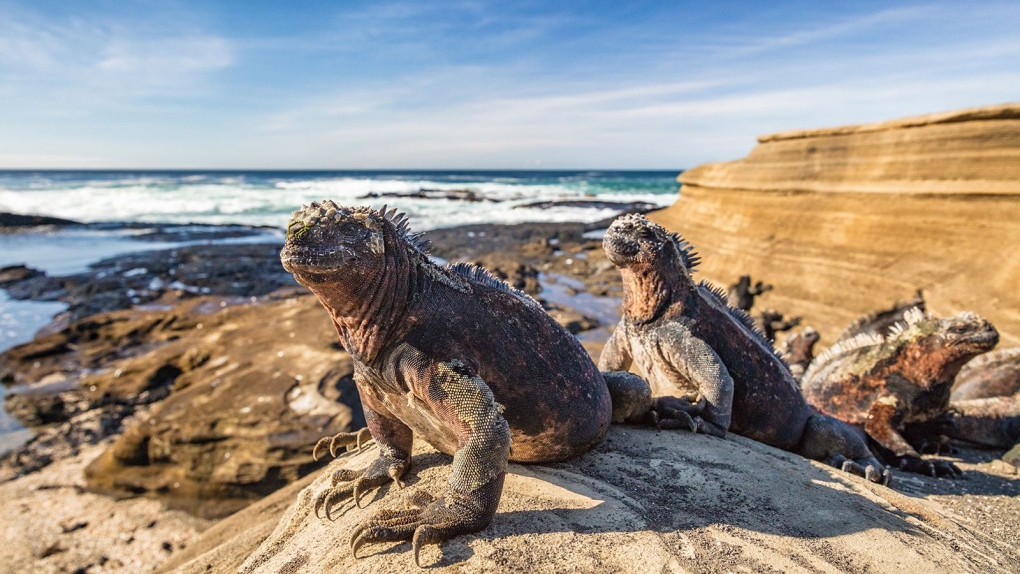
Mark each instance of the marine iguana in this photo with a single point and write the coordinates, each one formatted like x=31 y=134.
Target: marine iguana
x=683 y=337
x=994 y=374
x=769 y=322
x=799 y=350
x=883 y=384
x=741 y=294
x=451 y=355
x=984 y=406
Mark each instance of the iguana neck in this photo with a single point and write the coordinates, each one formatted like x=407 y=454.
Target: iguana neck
x=647 y=293
x=369 y=308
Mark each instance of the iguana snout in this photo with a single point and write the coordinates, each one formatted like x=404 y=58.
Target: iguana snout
x=631 y=239
x=325 y=237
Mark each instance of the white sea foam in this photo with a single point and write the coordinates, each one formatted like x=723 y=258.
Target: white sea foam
x=268 y=200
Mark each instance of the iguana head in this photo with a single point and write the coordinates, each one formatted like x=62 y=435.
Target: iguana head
x=962 y=335
x=326 y=241
x=634 y=242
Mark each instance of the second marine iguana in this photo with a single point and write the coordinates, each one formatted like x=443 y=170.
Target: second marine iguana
x=994 y=374
x=451 y=355
x=885 y=384
x=683 y=337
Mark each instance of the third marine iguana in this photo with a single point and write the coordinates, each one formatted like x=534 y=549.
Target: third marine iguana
x=451 y=355
x=683 y=337
x=899 y=383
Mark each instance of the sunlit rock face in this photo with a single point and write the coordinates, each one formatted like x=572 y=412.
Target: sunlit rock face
x=846 y=220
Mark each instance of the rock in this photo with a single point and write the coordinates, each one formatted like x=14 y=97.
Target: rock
x=1013 y=456
x=16 y=273
x=468 y=195
x=50 y=524
x=17 y=220
x=242 y=392
x=844 y=220
x=575 y=321
x=161 y=277
x=622 y=206
x=640 y=502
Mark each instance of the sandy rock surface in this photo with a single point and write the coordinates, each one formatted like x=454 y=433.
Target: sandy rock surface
x=640 y=502
x=845 y=221
x=49 y=523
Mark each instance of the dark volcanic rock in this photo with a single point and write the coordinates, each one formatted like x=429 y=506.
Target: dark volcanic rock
x=18 y=220
x=160 y=277
x=17 y=273
x=622 y=206
x=426 y=193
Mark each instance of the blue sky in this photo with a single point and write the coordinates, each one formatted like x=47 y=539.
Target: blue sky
x=419 y=84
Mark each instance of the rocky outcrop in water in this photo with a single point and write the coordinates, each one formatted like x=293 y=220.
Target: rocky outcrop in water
x=843 y=220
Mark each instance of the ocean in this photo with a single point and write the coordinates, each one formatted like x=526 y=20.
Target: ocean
x=430 y=198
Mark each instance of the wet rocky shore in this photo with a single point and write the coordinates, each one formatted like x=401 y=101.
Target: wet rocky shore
x=199 y=376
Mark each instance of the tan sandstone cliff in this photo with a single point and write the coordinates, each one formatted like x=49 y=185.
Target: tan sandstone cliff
x=846 y=220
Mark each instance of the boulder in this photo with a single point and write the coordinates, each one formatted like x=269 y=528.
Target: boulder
x=641 y=501
x=844 y=220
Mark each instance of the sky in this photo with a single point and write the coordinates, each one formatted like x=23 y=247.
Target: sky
x=475 y=85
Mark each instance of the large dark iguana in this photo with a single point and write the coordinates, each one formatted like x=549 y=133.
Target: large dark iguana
x=451 y=355
x=684 y=338
x=984 y=407
x=887 y=384
x=994 y=374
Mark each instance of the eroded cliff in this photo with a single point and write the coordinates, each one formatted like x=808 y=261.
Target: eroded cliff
x=846 y=220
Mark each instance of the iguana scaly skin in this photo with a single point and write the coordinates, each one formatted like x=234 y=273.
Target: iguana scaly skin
x=883 y=384
x=684 y=338
x=450 y=355
x=993 y=421
x=994 y=374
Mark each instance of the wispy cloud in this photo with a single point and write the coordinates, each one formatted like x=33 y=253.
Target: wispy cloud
x=105 y=57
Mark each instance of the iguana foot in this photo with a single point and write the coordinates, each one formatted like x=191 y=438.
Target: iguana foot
x=933 y=468
x=673 y=413
x=349 y=439
x=867 y=468
x=356 y=482
x=428 y=520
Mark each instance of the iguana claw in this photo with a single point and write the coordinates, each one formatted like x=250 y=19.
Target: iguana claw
x=348 y=439
x=356 y=482
x=426 y=520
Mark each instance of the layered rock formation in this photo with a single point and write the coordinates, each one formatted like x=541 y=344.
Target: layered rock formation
x=846 y=220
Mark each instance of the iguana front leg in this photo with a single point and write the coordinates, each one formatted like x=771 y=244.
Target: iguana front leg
x=632 y=396
x=460 y=399
x=395 y=440
x=883 y=419
x=696 y=361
